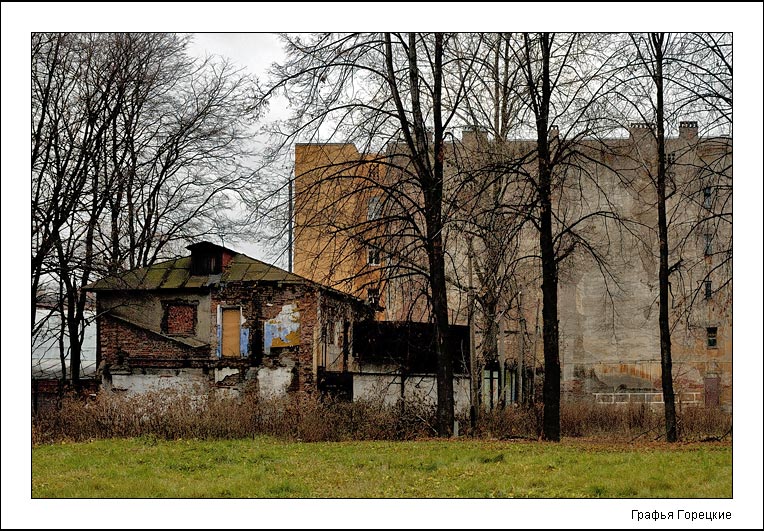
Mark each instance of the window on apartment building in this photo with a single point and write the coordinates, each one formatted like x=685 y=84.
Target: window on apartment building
x=670 y=158
x=711 y=337
x=373 y=209
x=372 y=295
x=373 y=256
x=179 y=318
x=231 y=333
x=708 y=251
x=707 y=289
x=707 y=197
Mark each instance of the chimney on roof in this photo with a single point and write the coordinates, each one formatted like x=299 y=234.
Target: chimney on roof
x=688 y=130
x=474 y=136
x=640 y=130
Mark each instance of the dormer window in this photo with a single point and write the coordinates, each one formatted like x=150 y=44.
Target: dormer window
x=206 y=263
x=208 y=258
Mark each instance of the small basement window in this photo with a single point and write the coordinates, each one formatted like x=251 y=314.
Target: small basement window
x=711 y=337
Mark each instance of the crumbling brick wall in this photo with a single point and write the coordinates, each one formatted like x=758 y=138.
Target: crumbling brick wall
x=262 y=302
x=121 y=343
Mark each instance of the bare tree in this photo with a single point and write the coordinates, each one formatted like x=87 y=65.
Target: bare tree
x=135 y=147
x=672 y=76
x=394 y=95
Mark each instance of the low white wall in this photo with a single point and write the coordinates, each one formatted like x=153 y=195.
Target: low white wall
x=183 y=380
x=388 y=387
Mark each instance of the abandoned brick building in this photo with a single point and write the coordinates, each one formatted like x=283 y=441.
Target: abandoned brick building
x=609 y=337
x=218 y=319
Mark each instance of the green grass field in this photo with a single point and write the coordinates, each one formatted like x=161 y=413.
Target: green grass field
x=269 y=468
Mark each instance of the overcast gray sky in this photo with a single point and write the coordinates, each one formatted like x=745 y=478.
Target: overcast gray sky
x=256 y=51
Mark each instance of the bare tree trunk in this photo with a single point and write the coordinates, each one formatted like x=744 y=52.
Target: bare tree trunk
x=551 y=430
x=663 y=275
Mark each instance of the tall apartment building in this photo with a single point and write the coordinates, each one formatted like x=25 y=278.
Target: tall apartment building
x=355 y=230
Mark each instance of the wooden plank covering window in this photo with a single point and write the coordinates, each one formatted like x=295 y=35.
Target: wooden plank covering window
x=231 y=325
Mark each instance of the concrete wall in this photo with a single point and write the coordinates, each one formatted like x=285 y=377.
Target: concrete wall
x=415 y=388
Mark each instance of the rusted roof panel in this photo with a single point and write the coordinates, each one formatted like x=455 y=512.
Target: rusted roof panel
x=176 y=274
x=154 y=277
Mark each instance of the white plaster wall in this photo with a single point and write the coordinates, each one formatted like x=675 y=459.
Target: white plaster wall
x=274 y=382
x=221 y=374
x=191 y=381
x=373 y=387
x=423 y=388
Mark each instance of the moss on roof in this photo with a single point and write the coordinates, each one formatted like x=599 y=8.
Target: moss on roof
x=176 y=274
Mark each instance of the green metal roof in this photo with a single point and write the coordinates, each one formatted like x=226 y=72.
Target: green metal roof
x=176 y=274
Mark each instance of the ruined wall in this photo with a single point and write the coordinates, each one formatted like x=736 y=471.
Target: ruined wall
x=123 y=343
x=150 y=309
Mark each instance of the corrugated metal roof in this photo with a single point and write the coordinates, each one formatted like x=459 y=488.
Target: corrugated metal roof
x=176 y=274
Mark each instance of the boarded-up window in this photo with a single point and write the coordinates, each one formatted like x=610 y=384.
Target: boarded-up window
x=179 y=319
x=231 y=332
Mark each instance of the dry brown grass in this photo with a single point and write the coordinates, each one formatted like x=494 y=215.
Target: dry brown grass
x=175 y=415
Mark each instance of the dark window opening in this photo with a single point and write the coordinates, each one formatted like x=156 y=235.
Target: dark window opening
x=709 y=247
x=707 y=286
x=373 y=209
x=707 y=197
x=373 y=296
x=373 y=258
x=711 y=336
x=206 y=264
x=670 y=158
